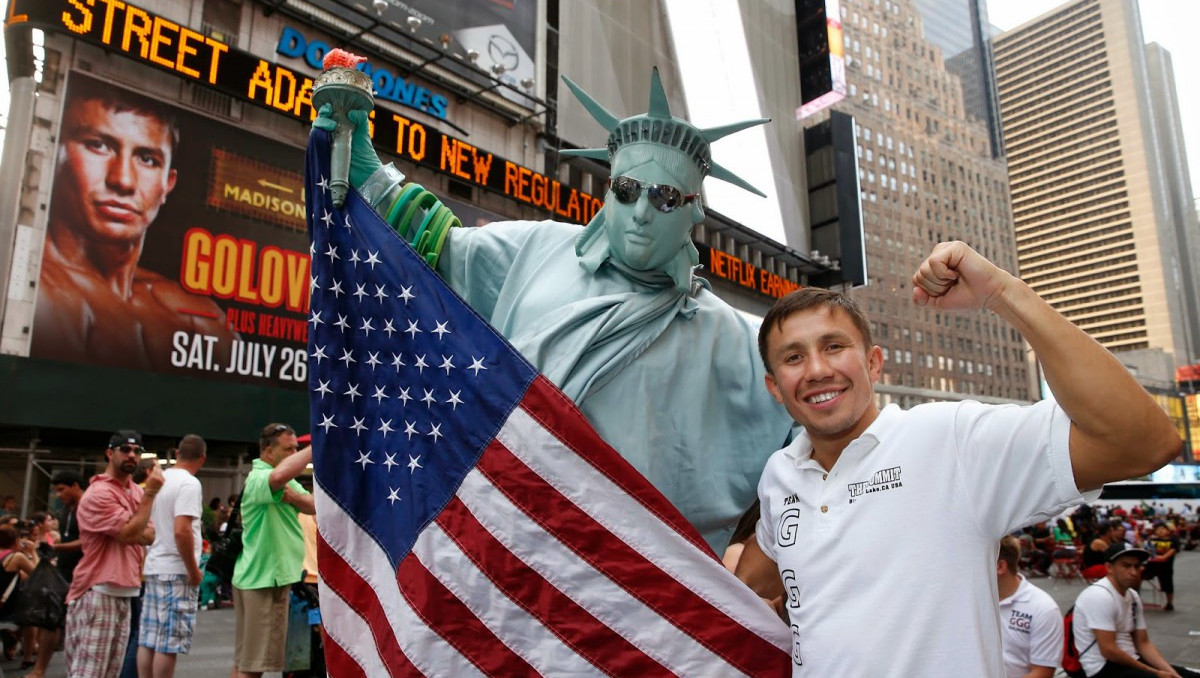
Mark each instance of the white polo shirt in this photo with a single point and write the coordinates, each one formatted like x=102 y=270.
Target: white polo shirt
x=1099 y=606
x=889 y=559
x=1032 y=628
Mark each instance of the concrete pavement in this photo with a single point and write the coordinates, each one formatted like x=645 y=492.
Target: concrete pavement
x=1176 y=633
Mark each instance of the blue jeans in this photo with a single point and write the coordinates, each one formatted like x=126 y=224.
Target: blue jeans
x=129 y=668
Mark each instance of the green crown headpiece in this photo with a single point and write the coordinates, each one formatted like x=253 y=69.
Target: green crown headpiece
x=658 y=126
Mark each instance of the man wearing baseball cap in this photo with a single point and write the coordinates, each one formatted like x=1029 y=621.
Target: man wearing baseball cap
x=1110 y=623
x=114 y=529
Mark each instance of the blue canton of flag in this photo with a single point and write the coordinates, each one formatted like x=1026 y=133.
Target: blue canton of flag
x=471 y=522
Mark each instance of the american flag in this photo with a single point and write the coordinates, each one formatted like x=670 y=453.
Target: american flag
x=471 y=521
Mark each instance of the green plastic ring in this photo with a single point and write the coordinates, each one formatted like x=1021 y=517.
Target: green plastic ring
x=399 y=204
x=425 y=200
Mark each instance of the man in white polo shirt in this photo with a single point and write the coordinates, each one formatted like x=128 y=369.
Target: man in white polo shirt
x=864 y=596
x=1029 y=618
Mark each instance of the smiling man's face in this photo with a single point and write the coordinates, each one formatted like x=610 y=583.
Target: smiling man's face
x=823 y=372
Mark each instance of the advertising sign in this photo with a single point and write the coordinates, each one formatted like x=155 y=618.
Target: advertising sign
x=174 y=244
x=157 y=42
x=822 y=55
x=722 y=265
x=500 y=32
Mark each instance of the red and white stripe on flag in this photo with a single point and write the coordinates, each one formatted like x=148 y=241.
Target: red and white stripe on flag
x=551 y=559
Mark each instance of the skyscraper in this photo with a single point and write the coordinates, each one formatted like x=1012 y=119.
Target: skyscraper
x=961 y=29
x=928 y=174
x=1091 y=131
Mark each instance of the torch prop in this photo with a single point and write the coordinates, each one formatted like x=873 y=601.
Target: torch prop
x=344 y=88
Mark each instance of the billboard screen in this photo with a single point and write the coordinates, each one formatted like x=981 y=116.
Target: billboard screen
x=501 y=32
x=175 y=243
x=821 y=53
x=203 y=60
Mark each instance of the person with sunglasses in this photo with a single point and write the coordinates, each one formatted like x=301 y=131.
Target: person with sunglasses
x=614 y=313
x=114 y=529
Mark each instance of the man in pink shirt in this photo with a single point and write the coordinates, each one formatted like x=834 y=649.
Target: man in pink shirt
x=114 y=528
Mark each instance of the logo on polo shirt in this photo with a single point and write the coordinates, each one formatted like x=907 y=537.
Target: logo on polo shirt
x=1021 y=621
x=887 y=479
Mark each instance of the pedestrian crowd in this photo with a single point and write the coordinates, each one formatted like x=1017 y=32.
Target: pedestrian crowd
x=125 y=562
x=1103 y=634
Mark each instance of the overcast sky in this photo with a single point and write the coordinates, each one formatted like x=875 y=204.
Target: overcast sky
x=1170 y=23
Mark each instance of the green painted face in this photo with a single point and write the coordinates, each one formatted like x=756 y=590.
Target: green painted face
x=640 y=236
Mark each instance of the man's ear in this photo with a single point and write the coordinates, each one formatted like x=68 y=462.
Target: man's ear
x=697 y=212
x=172 y=175
x=875 y=363
x=773 y=388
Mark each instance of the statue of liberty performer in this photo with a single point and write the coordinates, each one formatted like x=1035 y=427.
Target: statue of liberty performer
x=614 y=313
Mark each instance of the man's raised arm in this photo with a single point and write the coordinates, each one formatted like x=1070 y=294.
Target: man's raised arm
x=1117 y=430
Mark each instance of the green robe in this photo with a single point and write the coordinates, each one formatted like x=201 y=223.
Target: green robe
x=671 y=380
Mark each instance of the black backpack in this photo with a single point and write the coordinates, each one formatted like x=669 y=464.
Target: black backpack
x=228 y=545
x=43 y=597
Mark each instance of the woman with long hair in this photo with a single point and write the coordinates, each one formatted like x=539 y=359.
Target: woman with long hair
x=18 y=556
x=43 y=528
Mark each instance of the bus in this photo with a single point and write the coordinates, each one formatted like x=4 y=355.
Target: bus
x=1183 y=496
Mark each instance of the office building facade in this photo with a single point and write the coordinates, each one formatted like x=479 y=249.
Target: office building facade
x=1104 y=228
x=928 y=174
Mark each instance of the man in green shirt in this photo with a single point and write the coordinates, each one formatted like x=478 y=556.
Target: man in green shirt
x=273 y=553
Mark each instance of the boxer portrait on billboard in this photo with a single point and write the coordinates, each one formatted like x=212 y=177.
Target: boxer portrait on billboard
x=114 y=171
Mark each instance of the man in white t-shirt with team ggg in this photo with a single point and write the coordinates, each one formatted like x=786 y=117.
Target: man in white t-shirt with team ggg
x=1110 y=623
x=172 y=569
x=1030 y=621
x=864 y=596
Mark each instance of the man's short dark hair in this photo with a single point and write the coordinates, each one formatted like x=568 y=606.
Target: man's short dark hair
x=802 y=300
x=143 y=470
x=1114 y=524
x=120 y=100
x=69 y=478
x=270 y=432
x=1010 y=553
x=191 y=448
